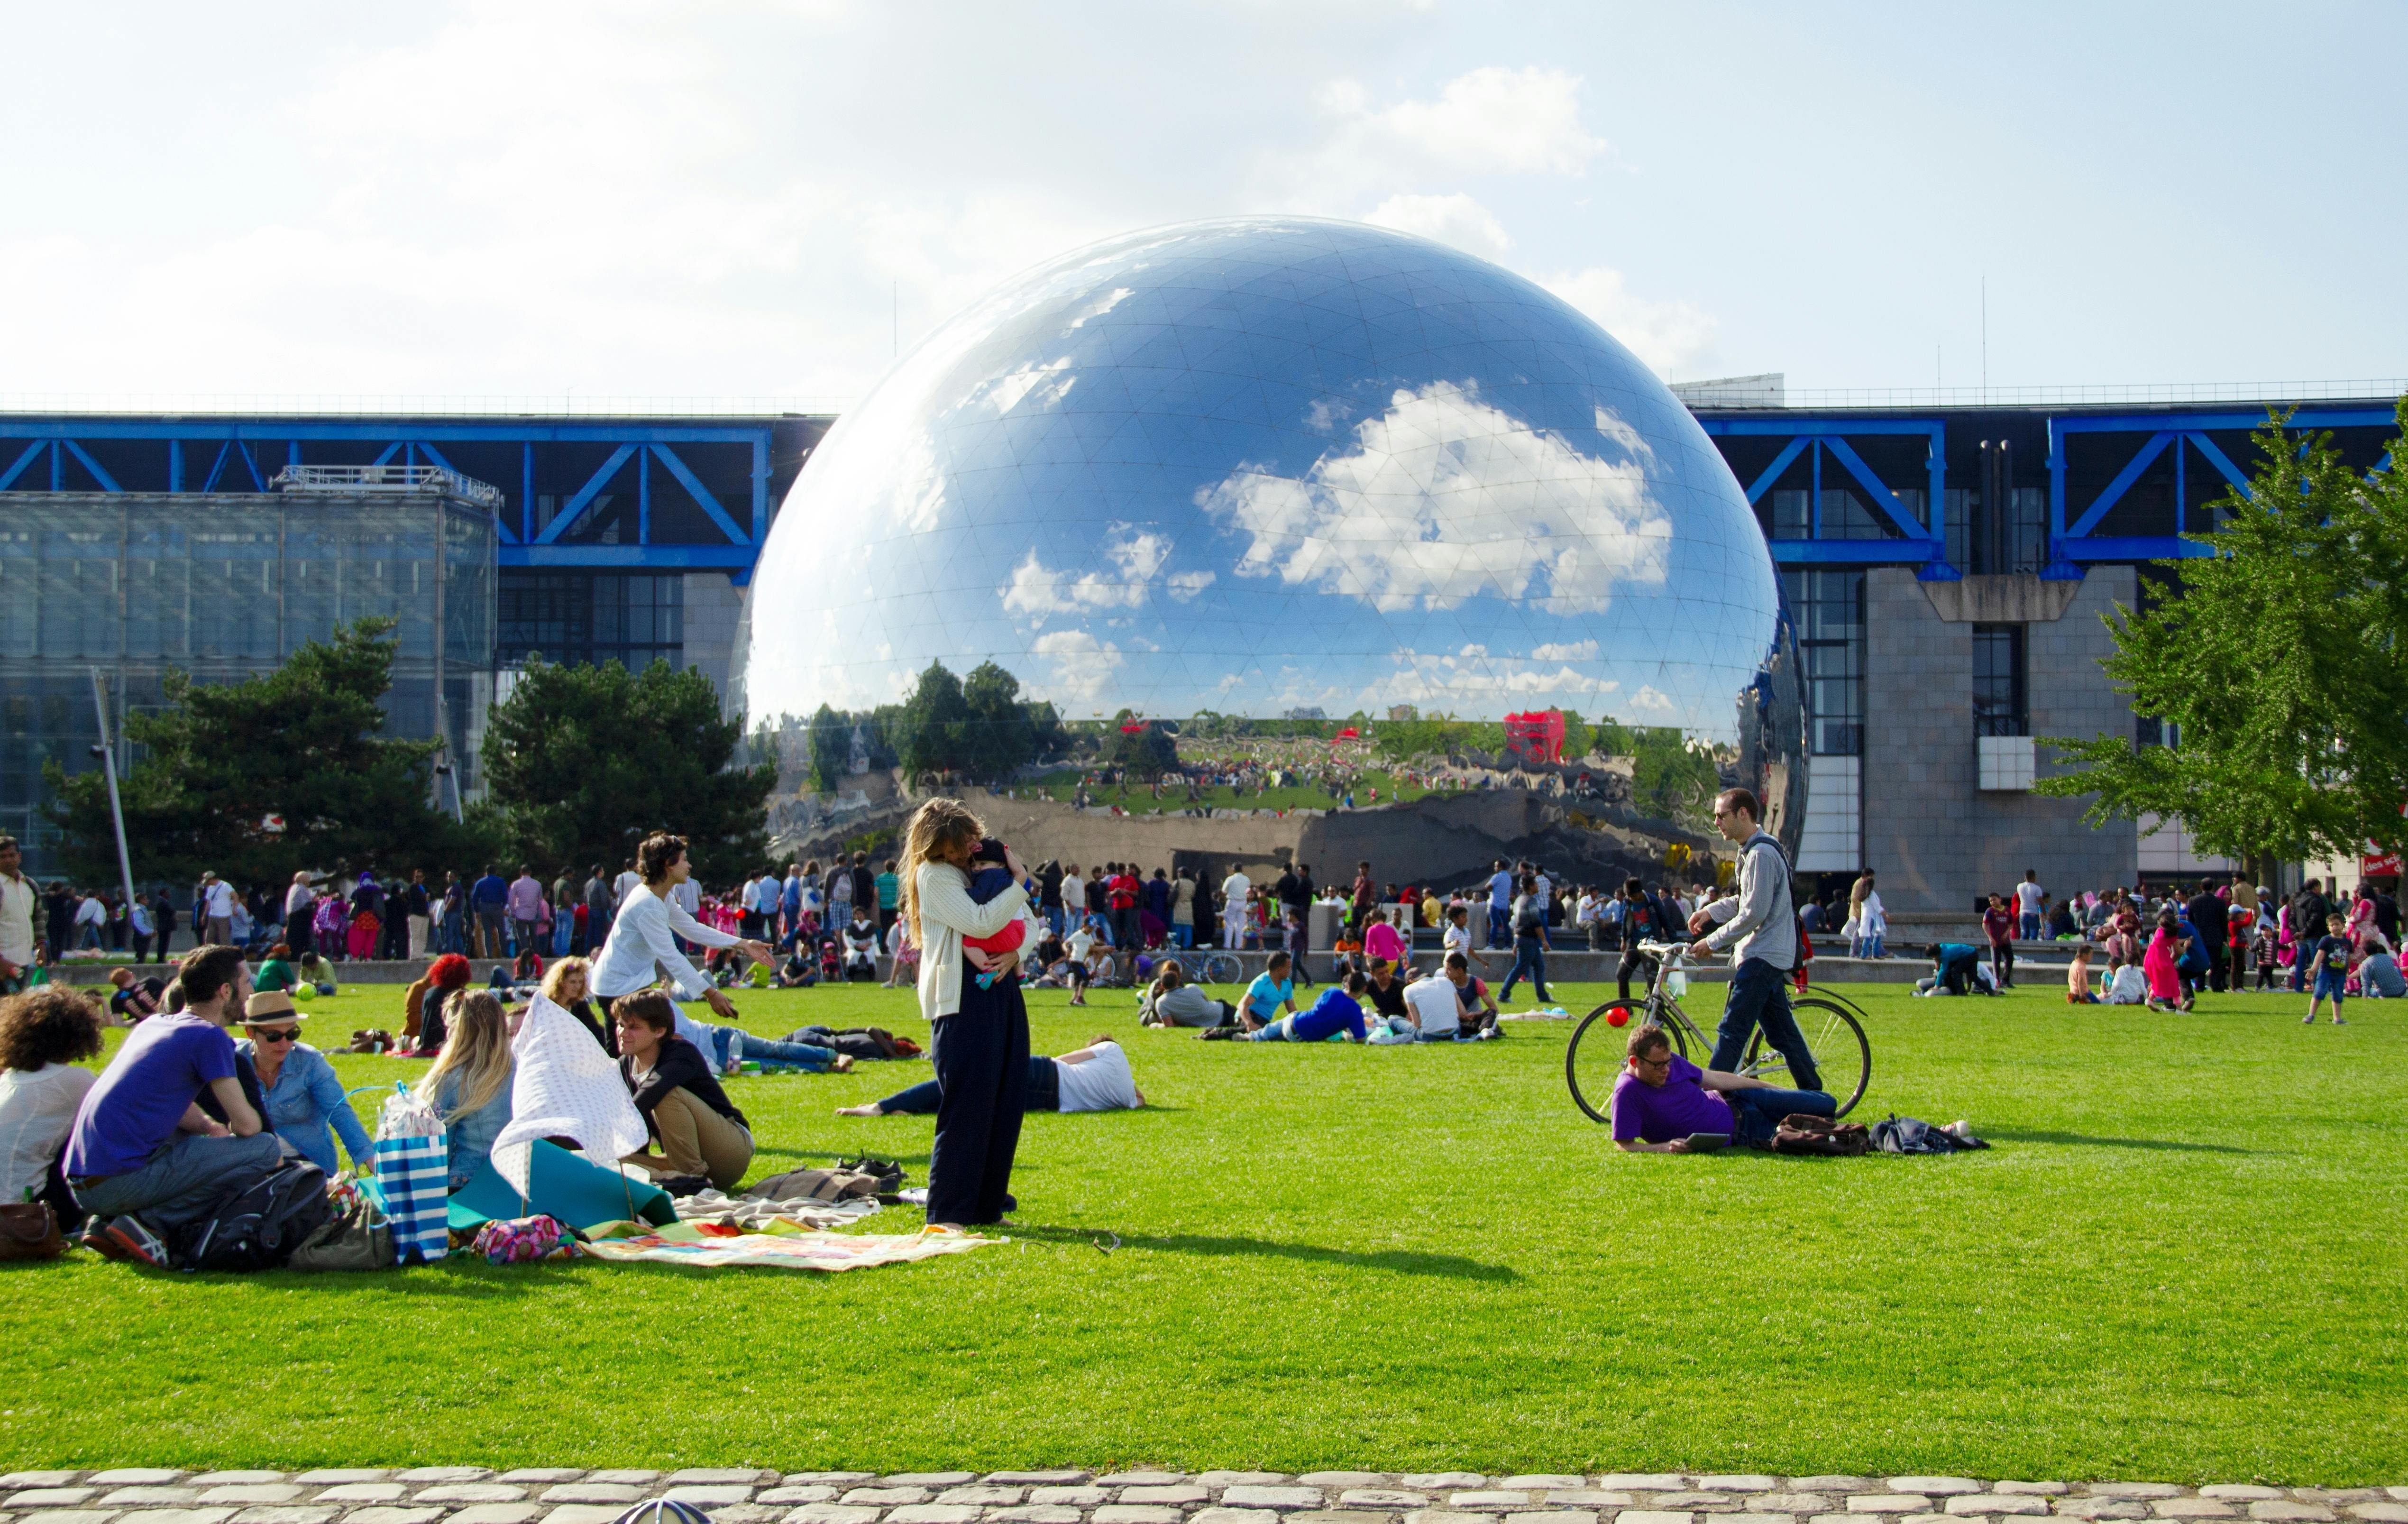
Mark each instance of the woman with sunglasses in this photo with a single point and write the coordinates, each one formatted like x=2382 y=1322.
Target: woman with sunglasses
x=303 y=1097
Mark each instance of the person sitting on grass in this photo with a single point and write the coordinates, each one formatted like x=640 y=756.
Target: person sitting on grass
x=297 y=1085
x=1094 y=1078
x=44 y=1035
x=2077 y=975
x=1437 y=1005
x=2379 y=977
x=1955 y=967
x=2125 y=985
x=1050 y=964
x=276 y=972
x=704 y=1140
x=797 y=972
x=318 y=973
x=134 y=998
x=1476 y=1008
x=2329 y=959
x=421 y=1004
x=1662 y=1100
x=1386 y=989
x=1339 y=1012
x=470 y=1086
x=1271 y=989
x=1170 y=1000
x=143 y=1155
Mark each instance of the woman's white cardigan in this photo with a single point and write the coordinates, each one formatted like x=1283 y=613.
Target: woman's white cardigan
x=947 y=914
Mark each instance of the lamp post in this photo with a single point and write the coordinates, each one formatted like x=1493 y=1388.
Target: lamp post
x=108 y=751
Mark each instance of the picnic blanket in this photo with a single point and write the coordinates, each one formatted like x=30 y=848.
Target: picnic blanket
x=757 y=1212
x=689 y=1244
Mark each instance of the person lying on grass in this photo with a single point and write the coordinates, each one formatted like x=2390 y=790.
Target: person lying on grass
x=1170 y=1000
x=1662 y=1100
x=1094 y=1078
x=1339 y=1012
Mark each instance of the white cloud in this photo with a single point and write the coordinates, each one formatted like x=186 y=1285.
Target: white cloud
x=1667 y=335
x=1082 y=665
x=1049 y=383
x=1038 y=591
x=1649 y=698
x=1443 y=497
x=1185 y=585
x=1493 y=121
x=1454 y=220
x=1565 y=651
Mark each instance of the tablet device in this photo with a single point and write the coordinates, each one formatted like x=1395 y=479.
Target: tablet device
x=1709 y=1142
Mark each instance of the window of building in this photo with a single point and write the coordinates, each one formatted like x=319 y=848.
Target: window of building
x=580 y=618
x=1999 y=705
x=1829 y=609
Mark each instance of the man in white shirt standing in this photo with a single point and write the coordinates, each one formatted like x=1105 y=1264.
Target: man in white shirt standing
x=2029 y=897
x=1234 y=890
x=16 y=919
x=217 y=910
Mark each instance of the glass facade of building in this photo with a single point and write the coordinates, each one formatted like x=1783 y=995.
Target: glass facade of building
x=223 y=586
x=575 y=617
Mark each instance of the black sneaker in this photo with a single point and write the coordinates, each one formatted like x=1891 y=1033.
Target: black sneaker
x=683 y=1185
x=128 y=1239
x=1216 y=1034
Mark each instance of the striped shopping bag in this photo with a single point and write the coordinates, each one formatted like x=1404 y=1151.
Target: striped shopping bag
x=412 y=1169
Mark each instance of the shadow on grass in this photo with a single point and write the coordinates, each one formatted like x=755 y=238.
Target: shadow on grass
x=1405 y=1261
x=2078 y=1140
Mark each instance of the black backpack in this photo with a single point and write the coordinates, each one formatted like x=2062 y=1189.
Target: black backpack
x=255 y=1227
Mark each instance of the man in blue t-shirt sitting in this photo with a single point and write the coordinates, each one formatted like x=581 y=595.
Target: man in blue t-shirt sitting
x=1271 y=989
x=1662 y=1100
x=143 y=1155
x=1338 y=1011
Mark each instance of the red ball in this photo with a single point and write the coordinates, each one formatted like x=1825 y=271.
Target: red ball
x=1618 y=1017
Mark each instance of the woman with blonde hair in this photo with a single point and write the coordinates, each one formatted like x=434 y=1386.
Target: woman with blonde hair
x=568 y=984
x=978 y=1042
x=470 y=1086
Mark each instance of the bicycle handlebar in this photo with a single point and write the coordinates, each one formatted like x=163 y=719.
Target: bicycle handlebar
x=1673 y=950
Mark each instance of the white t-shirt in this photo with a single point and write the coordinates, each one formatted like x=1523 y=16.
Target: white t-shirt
x=1458 y=939
x=1233 y=893
x=90 y=913
x=38 y=1106
x=1080 y=942
x=623 y=885
x=1102 y=1083
x=2027 y=897
x=688 y=895
x=220 y=899
x=1437 y=1008
x=2128 y=987
x=17 y=920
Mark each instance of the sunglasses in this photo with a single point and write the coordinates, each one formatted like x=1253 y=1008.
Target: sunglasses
x=280 y=1034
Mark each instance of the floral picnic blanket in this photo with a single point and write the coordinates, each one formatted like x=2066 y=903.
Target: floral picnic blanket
x=696 y=1244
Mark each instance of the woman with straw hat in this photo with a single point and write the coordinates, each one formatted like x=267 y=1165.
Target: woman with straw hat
x=304 y=1099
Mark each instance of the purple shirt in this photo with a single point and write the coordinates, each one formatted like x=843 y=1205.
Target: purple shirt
x=525 y=899
x=1334 y=1011
x=134 y=1107
x=1681 y=1106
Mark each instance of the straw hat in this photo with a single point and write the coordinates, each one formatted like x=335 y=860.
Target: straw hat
x=271 y=1005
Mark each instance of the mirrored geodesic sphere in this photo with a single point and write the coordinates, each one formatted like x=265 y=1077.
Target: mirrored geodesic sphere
x=1278 y=465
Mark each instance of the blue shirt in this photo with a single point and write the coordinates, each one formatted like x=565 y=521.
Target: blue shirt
x=1334 y=1011
x=469 y=1139
x=133 y=1109
x=794 y=896
x=306 y=1099
x=1501 y=890
x=1264 y=998
x=489 y=890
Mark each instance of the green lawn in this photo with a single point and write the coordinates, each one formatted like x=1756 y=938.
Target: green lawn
x=2182 y=1261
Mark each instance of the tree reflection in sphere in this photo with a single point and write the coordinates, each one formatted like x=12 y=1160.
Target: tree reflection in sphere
x=1269 y=465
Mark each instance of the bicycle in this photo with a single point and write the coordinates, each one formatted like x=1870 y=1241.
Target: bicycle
x=1834 y=1034
x=1219 y=969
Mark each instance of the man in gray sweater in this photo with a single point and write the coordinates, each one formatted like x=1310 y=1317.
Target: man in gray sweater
x=1759 y=927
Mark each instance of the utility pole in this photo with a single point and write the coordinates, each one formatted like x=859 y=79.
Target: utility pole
x=108 y=750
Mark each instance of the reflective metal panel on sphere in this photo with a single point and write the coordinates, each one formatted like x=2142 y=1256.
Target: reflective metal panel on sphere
x=1274 y=464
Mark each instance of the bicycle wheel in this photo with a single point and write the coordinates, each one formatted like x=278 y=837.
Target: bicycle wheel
x=1219 y=969
x=1594 y=1060
x=1837 y=1040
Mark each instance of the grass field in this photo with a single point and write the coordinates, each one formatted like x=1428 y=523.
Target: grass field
x=2182 y=1261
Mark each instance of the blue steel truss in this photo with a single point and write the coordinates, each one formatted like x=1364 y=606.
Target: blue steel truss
x=1921 y=543
x=221 y=454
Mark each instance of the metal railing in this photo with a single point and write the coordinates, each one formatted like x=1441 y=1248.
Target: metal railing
x=353 y=478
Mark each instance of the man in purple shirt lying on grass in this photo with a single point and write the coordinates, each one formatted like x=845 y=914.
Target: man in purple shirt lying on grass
x=1662 y=1101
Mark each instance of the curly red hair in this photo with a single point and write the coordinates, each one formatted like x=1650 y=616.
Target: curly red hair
x=451 y=971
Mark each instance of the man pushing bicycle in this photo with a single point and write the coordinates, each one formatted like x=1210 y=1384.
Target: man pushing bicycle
x=1761 y=928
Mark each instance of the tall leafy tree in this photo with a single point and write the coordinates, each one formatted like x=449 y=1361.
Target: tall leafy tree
x=584 y=762
x=831 y=749
x=929 y=733
x=999 y=735
x=2279 y=666
x=257 y=779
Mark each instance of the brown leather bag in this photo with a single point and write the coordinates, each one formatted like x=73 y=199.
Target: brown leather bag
x=1802 y=1132
x=29 y=1231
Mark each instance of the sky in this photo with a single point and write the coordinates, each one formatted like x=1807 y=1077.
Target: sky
x=751 y=204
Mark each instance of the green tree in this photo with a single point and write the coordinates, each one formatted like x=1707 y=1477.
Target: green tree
x=929 y=734
x=584 y=762
x=257 y=779
x=998 y=734
x=2278 y=663
x=1140 y=745
x=831 y=749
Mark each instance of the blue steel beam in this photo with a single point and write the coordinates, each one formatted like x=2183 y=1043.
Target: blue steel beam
x=539 y=556
x=20 y=427
x=33 y=452
x=2133 y=548
x=571 y=510
x=1856 y=553
x=107 y=482
x=702 y=495
x=1884 y=499
x=2122 y=484
x=1772 y=473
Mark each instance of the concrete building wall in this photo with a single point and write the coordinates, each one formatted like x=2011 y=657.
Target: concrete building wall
x=1933 y=837
x=712 y=606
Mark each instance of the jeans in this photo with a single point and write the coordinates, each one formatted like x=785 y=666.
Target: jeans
x=184 y=1179
x=1531 y=958
x=1758 y=1114
x=981 y=1057
x=1183 y=933
x=1054 y=919
x=1759 y=997
x=523 y=935
x=2027 y=925
x=734 y=1046
x=1496 y=926
x=1044 y=1092
x=1870 y=946
x=489 y=932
